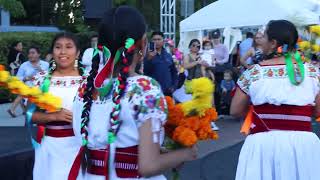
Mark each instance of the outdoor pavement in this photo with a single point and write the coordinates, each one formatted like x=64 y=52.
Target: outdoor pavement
x=217 y=159
x=7 y=121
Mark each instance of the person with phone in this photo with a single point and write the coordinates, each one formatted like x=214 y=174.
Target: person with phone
x=159 y=64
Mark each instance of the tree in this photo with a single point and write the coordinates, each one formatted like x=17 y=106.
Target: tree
x=15 y=8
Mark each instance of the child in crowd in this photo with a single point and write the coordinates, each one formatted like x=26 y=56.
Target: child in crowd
x=207 y=55
x=227 y=85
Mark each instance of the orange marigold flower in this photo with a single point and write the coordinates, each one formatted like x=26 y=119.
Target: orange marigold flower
x=170 y=102
x=2 y=67
x=192 y=122
x=212 y=114
x=213 y=135
x=185 y=136
x=175 y=117
x=202 y=134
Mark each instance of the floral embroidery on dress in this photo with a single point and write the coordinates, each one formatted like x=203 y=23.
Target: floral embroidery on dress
x=312 y=71
x=146 y=98
x=271 y=72
x=69 y=82
x=249 y=76
x=150 y=101
x=144 y=83
x=274 y=72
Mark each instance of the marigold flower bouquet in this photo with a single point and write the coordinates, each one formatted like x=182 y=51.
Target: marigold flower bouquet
x=44 y=101
x=190 y=122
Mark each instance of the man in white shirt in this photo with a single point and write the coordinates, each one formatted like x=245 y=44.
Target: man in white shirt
x=87 y=55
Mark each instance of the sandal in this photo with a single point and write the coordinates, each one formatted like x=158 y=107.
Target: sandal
x=12 y=114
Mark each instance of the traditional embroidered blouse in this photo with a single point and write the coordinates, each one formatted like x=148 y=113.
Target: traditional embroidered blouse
x=270 y=84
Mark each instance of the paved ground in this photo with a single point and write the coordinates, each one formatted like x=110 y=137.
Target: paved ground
x=7 y=121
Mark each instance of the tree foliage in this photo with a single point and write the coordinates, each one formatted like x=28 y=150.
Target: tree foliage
x=15 y=7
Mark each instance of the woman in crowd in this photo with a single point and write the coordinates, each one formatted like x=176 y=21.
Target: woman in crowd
x=121 y=122
x=15 y=59
x=192 y=62
x=284 y=93
x=255 y=52
x=26 y=72
x=59 y=147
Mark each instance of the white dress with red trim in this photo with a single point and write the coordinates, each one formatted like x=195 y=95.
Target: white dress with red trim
x=59 y=147
x=281 y=144
x=142 y=101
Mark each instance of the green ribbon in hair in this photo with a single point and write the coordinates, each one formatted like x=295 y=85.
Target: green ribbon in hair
x=296 y=75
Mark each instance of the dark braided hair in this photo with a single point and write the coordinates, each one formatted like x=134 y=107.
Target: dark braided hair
x=117 y=25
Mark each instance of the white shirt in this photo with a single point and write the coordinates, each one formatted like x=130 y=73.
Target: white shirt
x=29 y=70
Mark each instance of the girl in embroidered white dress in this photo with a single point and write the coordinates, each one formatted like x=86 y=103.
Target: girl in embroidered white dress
x=122 y=123
x=58 y=149
x=284 y=93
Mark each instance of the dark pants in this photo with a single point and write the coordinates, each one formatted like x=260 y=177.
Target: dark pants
x=225 y=103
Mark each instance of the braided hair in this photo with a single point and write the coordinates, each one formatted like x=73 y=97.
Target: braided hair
x=117 y=26
x=286 y=36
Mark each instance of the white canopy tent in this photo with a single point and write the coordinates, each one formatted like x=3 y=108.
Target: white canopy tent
x=247 y=13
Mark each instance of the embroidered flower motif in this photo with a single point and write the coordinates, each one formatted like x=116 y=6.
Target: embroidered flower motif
x=255 y=72
x=270 y=73
x=281 y=72
x=312 y=69
x=144 y=83
x=150 y=101
x=58 y=82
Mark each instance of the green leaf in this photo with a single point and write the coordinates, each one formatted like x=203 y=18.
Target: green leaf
x=15 y=8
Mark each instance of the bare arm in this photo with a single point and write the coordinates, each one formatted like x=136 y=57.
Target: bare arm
x=187 y=64
x=151 y=162
x=41 y=117
x=240 y=104
x=243 y=60
x=203 y=71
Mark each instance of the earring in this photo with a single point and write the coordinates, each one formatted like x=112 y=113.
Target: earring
x=54 y=65
x=140 y=53
x=76 y=64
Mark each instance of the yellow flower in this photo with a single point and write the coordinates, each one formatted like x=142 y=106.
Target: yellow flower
x=34 y=91
x=315 y=29
x=4 y=76
x=315 y=48
x=24 y=90
x=304 y=45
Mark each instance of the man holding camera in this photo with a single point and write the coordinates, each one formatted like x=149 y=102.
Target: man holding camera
x=159 y=64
